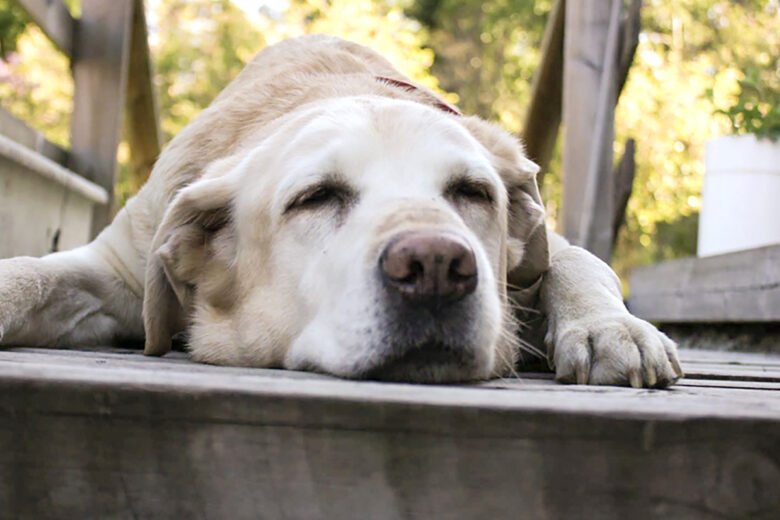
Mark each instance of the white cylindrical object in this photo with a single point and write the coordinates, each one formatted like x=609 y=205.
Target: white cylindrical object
x=741 y=196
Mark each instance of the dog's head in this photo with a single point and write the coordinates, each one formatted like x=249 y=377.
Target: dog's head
x=362 y=237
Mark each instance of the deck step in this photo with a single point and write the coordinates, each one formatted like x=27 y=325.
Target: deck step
x=730 y=288
x=112 y=434
x=726 y=302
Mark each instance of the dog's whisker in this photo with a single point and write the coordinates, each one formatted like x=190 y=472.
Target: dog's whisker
x=517 y=307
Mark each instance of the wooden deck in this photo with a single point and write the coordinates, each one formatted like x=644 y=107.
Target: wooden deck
x=113 y=434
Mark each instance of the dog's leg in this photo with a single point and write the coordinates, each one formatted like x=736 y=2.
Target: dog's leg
x=591 y=336
x=81 y=297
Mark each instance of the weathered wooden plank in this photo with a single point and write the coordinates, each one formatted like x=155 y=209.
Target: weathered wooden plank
x=42 y=205
x=730 y=384
x=591 y=42
x=54 y=19
x=131 y=368
x=19 y=131
x=142 y=123
x=629 y=40
x=712 y=366
x=129 y=442
x=710 y=372
x=39 y=164
x=729 y=358
x=100 y=64
x=543 y=117
x=133 y=356
x=734 y=287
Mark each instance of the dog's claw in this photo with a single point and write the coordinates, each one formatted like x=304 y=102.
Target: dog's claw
x=652 y=377
x=676 y=366
x=582 y=373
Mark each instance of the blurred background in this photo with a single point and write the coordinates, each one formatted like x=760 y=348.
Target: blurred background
x=702 y=69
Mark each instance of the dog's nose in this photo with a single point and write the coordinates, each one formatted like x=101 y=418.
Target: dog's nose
x=429 y=267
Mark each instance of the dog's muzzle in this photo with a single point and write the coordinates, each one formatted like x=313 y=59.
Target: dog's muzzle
x=431 y=315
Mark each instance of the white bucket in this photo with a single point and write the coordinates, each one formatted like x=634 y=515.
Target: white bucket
x=741 y=195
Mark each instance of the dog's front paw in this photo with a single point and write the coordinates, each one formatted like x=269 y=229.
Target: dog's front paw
x=612 y=350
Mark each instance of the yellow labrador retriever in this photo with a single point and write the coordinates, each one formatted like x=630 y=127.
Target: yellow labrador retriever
x=325 y=214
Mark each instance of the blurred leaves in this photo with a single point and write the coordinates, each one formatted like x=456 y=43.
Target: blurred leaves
x=36 y=85
x=756 y=108
x=13 y=22
x=198 y=47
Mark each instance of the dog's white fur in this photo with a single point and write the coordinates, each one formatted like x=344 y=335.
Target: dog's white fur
x=223 y=243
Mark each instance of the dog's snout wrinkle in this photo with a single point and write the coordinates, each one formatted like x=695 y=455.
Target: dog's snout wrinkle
x=430 y=268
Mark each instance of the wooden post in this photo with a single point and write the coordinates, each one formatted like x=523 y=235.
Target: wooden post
x=629 y=41
x=591 y=45
x=142 y=126
x=543 y=118
x=624 y=182
x=100 y=64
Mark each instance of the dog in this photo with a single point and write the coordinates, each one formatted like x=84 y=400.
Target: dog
x=326 y=214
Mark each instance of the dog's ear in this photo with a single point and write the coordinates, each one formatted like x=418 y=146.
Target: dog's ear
x=528 y=255
x=192 y=250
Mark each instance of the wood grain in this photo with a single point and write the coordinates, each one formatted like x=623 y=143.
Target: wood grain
x=142 y=125
x=543 y=117
x=734 y=287
x=591 y=46
x=112 y=434
x=19 y=132
x=100 y=64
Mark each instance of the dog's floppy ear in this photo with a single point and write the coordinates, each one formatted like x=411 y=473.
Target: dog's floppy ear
x=527 y=249
x=193 y=243
x=528 y=255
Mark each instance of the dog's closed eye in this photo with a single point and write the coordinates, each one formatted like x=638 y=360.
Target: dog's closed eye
x=472 y=190
x=320 y=195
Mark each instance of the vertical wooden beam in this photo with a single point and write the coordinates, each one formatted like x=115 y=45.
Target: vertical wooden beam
x=626 y=169
x=589 y=92
x=100 y=59
x=629 y=41
x=142 y=126
x=624 y=182
x=543 y=118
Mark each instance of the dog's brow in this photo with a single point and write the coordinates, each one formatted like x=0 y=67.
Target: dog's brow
x=313 y=181
x=469 y=172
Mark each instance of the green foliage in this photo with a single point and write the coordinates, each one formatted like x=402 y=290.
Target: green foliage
x=756 y=109
x=13 y=22
x=199 y=46
x=379 y=24
x=486 y=52
x=36 y=85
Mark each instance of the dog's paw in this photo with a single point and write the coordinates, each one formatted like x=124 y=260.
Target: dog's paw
x=612 y=350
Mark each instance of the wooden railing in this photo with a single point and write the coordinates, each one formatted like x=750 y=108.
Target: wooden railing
x=109 y=54
x=587 y=50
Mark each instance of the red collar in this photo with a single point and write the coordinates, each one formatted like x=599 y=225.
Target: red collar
x=441 y=105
